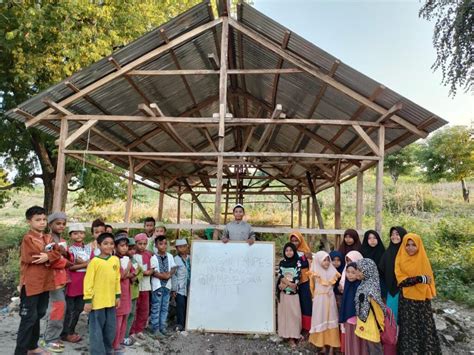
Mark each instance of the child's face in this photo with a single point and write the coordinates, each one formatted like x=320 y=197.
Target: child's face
x=348 y=239
x=336 y=262
x=107 y=246
x=160 y=231
x=38 y=222
x=289 y=253
x=141 y=245
x=162 y=245
x=411 y=248
x=348 y=260
x=109 y=229
x=58 y=226
x=131 y=250
x=182 y=249
x=325 y=263
x=149 y=226
x=122 y=248
x=295 y=241
x=372 y=240
x=395 y=237
x=238 y=213
x=359 y=275
x=96 y=231
x=77 y=236
x=351 y=274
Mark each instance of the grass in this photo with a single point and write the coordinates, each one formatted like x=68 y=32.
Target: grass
x=434 y=211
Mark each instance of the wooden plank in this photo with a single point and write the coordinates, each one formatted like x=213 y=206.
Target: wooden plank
x=366 y=139
x=196 y=200
x=125 y=69
x=129 y=202
x=319 y=139
x=379 y=183
x=80 y=131
x=59 y=183
x=360 y=199
x=180 y=72
x=161 y=199
x=317 y=209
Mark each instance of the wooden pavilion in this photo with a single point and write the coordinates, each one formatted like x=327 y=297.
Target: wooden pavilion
x=227 y=106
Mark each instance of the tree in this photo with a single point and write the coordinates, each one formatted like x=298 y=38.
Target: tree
x=452 y=39
x=449 y=154
x=401 y=162
x=43 y=43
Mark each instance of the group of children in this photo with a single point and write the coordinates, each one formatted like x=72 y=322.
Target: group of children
x=123 y=283
x=358 y=298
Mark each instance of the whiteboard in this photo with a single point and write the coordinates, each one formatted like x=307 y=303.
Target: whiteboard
x=232 y=287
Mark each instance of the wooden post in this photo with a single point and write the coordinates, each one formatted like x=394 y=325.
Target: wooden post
x=60 y=168
x=379 y=182
x=161 y=198
x=337 y=210
x=317 y=210
x=308 y=212
x=129 y=204
x=226 y=202
x=359 y=200
x=292 y=211
x=178 y=212
x=192 y=216
x=300 y=202
x=222 y=112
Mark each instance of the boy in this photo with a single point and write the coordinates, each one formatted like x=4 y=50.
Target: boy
x=180 y=282
x=57 y=302
x=147 y=262
x=102 y=295
x=160 y=230
x=161 y=288
x=134 y=281
x=37 y=255
x=79 y=255
x=97 y=228
x=149 y=226
x=238 y=229
x=109 y=229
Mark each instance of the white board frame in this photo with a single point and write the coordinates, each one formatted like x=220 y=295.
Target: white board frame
x=271 y=298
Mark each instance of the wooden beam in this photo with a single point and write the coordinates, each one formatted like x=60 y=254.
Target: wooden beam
x=196 y=200
x=284 y=44
x=129 y=203
x=319 y=139
x=360 y=199
x=161 y=199
x=80 y=131
x=59 y=183
x=125 y=69
x=379 y=182
x=366 y=139
x=317 y=209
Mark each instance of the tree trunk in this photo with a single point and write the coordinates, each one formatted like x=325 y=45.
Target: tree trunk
x=48 y=183
x=465 y=191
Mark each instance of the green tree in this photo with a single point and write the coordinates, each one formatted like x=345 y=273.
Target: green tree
x=402 y=162
x=452 y=39
x=449 y=154
x=43 y=43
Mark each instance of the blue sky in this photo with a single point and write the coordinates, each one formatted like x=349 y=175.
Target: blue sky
x=385 y=40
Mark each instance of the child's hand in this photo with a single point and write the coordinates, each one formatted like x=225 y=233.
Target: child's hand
x=166 y=276
x=225 y=240
x=173 y=294
x=88 y=307
x=40 y=259
x=250 y=241
x=428 y=279
x=79 y=261
x=117 y=302
x=341 y=290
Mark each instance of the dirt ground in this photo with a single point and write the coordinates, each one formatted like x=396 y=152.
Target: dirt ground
x=454 y=323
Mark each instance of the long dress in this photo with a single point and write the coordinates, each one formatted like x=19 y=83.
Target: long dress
x=304 y=293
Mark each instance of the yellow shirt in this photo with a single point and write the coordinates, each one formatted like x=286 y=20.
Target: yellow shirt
x=102 y=282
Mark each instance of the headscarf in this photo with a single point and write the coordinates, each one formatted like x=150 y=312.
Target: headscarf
x=286 y=262
x=340 y=269
x=387 y=262
x=140 y=237
x=374 y=253
x=410 y=266
x=369 y=287
x=303 y=247
x=354 y=255
x=344 y=248
x=327 y=276
x=348 y=309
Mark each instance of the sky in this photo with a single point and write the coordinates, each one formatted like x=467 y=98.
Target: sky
x=385 y=40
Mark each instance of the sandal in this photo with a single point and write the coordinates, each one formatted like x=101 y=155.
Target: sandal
x=38 y=351
x=72 y=338
x=54 y=347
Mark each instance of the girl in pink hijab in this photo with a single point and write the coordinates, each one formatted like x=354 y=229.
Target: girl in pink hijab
x=351 y=257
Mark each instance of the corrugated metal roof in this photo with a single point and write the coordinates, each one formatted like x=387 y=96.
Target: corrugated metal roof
x=296 y=92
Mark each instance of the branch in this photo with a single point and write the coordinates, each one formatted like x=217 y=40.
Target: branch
x=76 y=189
x=21 y=182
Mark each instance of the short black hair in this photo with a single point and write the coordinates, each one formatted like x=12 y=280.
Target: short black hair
x=104 y=236
x=149 y=219
x=352 y=264
x=160 y=238
x=35 y=210
x=108 y=226
x=97 y=223
x=121 y=231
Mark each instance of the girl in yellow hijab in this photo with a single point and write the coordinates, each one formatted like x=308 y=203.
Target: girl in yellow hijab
x=415 y=317
x=304 y=292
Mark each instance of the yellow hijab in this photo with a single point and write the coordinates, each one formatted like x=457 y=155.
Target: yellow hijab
x=410 y=266
x=303 y=247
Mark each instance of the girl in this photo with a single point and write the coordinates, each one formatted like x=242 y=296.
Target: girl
x=289 y=312
x=387 y=268
x=351 y=242
x=126 y=273
x=373 y=248
x=304 y=292
x=415 y=278
x=324 y=323
x=351 y=257
x=353 y=345
x=368 y=291
x=339 y=263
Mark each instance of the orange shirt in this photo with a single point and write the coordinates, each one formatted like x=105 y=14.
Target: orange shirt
x=37 y=278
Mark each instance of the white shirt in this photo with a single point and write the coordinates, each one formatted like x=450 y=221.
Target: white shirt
x=145 y=283
x=156 y=282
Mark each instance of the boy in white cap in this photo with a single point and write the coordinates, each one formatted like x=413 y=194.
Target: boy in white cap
x=80 y=255
x=180 y=282
x=238 y=229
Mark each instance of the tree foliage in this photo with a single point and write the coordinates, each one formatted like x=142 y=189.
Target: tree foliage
x=402 y=162
x=43 y=43
x=452 y=39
